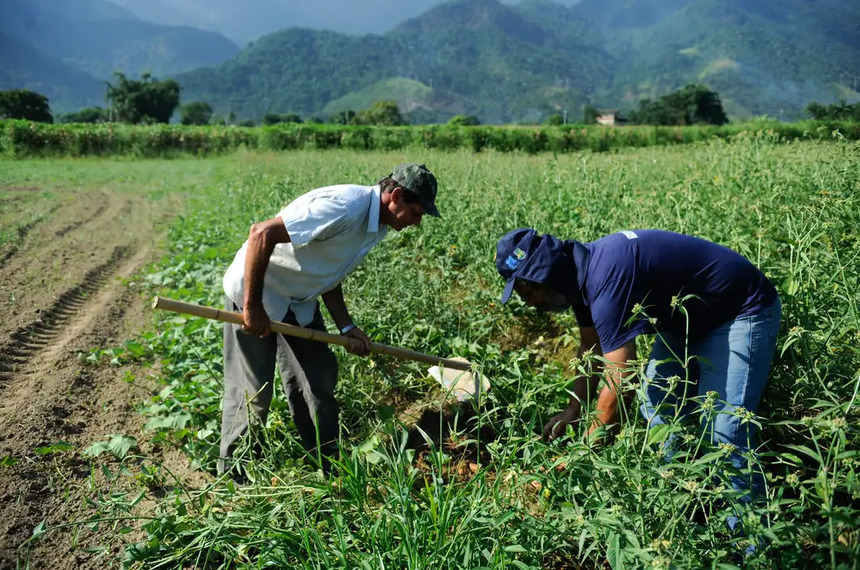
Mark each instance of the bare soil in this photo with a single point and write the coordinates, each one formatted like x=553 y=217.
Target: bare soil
x=66 y=287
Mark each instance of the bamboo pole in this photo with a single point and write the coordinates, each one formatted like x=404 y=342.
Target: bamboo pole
x=302 y=332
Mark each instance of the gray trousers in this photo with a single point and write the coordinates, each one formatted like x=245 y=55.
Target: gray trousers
x=308 y=375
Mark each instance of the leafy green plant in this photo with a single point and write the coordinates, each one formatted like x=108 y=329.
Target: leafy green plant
x=120 y=445
x=423 y=483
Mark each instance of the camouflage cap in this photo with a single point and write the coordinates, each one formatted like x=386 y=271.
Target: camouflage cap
x=420 y=181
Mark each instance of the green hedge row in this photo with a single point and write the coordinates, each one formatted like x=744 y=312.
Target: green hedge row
x=19 y=139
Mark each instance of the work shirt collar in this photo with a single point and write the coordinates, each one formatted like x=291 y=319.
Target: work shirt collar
x=373 y=214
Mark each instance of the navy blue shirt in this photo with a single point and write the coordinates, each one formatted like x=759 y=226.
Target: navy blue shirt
x=649 y=268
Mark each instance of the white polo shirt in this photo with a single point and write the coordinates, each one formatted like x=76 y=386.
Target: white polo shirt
x=331 y=230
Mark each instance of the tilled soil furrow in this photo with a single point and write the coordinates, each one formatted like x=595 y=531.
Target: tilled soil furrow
x=31 y=338
x=21 y=234
x=61 y=300
x=62 y=242
x=76 y=225
x=60 y=399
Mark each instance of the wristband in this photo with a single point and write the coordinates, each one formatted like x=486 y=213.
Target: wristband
x=347 y=328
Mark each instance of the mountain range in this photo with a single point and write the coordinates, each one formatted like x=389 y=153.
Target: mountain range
x=520 y=63
x=66 y=50
x=500 y=62
x=247 y=20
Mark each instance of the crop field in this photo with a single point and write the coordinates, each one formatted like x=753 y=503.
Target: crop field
x=109 y=421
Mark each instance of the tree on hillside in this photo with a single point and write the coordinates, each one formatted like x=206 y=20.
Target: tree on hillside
x=694 y=104
x=196 y=113
x=342 y=117
x=23 y=104
x=841 y=111
x=464 y=121
x=382 y=113
x=589 y=114
x=142 y=101
x=275 y=118
x=88 y=115
x=554 y=120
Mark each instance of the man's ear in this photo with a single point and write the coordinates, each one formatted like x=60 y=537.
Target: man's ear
x=397 y=194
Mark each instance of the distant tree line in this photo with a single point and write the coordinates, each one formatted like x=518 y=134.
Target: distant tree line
x=148 y=101
x=841 y=111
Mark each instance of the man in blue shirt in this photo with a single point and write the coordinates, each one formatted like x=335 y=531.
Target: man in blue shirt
x=714 y=314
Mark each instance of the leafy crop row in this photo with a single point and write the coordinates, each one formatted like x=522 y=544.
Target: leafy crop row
x=24 y=139
x=481 y=490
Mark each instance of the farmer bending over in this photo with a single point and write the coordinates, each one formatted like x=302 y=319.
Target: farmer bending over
x=701 y=299
x=287 y=263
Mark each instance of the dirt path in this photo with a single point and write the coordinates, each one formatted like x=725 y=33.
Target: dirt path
x=64 y=285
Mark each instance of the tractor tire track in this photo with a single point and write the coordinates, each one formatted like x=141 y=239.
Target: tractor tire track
x=67 y=289
x=54 y=257
x=31 y=338
x=54 y=397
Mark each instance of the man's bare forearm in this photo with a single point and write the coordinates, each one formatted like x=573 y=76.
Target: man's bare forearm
x=583 y=390
x=585 y=387
x=336 y=306
x=612 y=399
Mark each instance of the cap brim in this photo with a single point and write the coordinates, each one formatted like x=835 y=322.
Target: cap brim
x=509 y=289
x=430 y=210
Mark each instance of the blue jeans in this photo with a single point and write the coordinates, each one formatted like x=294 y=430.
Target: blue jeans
x=733 y=361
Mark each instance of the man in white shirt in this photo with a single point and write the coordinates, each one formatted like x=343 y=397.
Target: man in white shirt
x=287 y=263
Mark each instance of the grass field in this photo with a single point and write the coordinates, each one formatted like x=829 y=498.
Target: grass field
x=476 y=487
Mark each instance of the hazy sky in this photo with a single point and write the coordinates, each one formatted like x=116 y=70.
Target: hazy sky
x=246 y=20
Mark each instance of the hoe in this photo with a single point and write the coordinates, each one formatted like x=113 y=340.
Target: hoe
x=455 y=374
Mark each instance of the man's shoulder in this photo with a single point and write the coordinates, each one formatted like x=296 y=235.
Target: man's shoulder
x=613 y=249
x=346 y=197
x=344 y=192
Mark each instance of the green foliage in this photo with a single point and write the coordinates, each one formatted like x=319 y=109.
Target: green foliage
x=791 y=207
x=119 y=445
x=554 y=120
x=88 y=115
x=464 y=121
x=519 y=64
x=346 y=117
x=57 y=447
x=144 y=100
x=22 y=139
x=787 y=203
x=840 y=111
x=694 y=104
x=275 y=118
x=589 y=114
x=196 y=113
x=381 y=114
x=23 y=104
